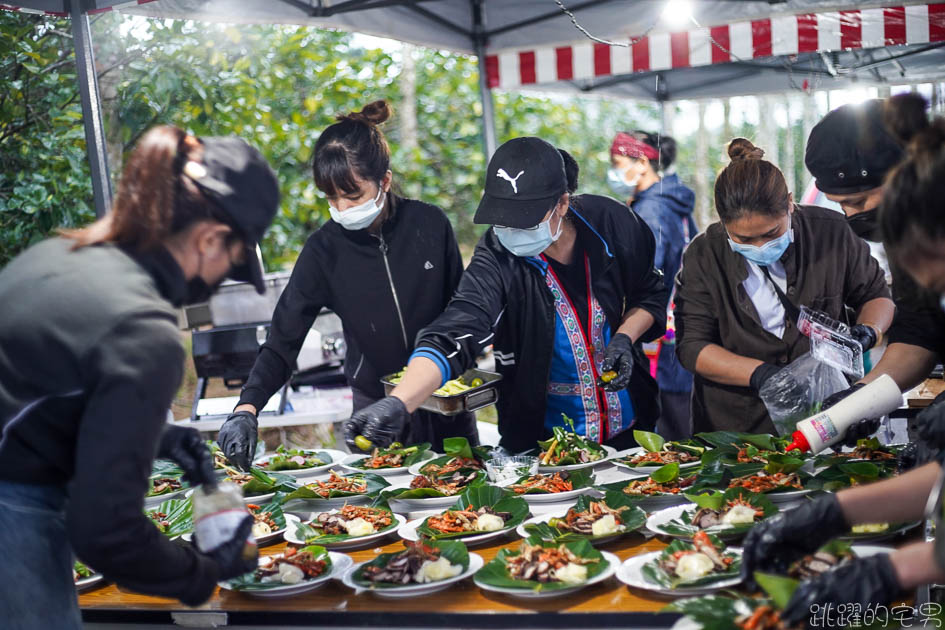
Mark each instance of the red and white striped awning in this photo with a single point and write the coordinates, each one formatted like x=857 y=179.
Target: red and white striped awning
x=738 y=41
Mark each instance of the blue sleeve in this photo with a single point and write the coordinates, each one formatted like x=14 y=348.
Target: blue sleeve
x=651 y=212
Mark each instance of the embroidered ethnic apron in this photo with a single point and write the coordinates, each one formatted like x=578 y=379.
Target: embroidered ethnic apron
x=575 y=366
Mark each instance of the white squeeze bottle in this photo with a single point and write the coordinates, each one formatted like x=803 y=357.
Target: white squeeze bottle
x=218 y=511
x=829 y=426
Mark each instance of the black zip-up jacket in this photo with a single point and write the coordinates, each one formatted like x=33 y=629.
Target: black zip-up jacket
x=384 y=288
x=90 y=359
x=503 y=299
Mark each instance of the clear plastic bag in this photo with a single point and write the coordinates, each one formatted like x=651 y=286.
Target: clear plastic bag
x=795 y=393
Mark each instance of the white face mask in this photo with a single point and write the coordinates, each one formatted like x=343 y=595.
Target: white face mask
x=361 y=216
x=528 y=241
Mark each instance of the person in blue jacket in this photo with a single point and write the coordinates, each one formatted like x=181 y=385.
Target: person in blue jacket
x=642 y=173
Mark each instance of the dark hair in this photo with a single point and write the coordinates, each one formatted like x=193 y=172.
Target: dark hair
x=154 y=199
x=666 y=145
x=352 y=148
x=749 y=184
x=911 y=213
x=571 y=170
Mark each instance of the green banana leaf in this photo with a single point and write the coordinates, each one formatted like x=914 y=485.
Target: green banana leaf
x=716 y=612
x=82 y=570
x=264 y=483
x=779 y=588
x=280 y=459
x=154 y=478
x=762 y=441
x=567 y=443
x=715 y=500
x=275 y=512
x=165 y=468
x=495 y=573
x=415 y=453
x=375 y=483
x=453 y=550
x=482 y=496
x=579 y=479
x=655 y=574
x=847 y=473
x=248 y=582
x=808 y=481
x=427 y=493
x=313 y=536
x=179 y=516
x=633 y=518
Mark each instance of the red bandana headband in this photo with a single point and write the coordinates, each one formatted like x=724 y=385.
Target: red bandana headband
x=625 y=144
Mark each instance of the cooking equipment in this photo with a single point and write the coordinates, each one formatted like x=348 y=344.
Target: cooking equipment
x=470 y=400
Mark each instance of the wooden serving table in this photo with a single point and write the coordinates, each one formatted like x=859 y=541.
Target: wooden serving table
x=462 y=605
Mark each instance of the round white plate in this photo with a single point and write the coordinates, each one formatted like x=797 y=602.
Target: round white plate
x=339 y=564
x=656 y=520
x=429 y=503
x=336 y=458
x=526 y=593
x=610 y=452
x=865 y=551
x=658 y=501
x=633 y=452
x=544 y=518
x=265 y=540
x=353 y=543
x=412 y=590
x=86 y=583
x=414 y=469
x=348 y=464
x=630 y=573
x=787 y=497
x=408 y=531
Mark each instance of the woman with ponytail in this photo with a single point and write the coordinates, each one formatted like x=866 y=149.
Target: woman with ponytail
x=90 y=361
x=744 y=279
x=385 y=264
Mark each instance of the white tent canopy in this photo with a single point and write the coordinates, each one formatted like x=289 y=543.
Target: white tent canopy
x=724 y=48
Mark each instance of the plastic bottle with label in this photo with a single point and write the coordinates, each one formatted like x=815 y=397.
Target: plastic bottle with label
x=218 y=511
x=829 y=426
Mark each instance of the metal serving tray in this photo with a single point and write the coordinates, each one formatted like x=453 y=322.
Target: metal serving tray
x=470 y=400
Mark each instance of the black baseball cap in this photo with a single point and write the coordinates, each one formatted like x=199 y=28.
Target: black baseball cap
x=524 y=180
x=850 y=151
x=239 y=180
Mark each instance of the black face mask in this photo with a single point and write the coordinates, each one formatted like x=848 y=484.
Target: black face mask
x=198 y=291
x=865 y=225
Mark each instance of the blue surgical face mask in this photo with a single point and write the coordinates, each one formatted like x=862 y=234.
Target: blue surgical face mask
x=528 y=241
x=767 y=254
x=621 y=187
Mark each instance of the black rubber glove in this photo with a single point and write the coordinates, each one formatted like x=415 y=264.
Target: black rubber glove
x=185 y=447
x=382 y=422
x=761 y=375
x=860 y=429
x=229 y=556
x=772 y=545
x=863 y=581
x=618 y=357
x=865 y=336
x=237 y=439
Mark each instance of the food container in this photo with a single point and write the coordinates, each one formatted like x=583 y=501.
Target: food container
x=469 y=400
x=511 y=468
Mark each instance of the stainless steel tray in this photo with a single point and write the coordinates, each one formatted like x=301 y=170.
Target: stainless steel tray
x=470 y=400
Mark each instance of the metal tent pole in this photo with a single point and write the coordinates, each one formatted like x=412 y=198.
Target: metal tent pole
x=91 y=109
x=488 y=107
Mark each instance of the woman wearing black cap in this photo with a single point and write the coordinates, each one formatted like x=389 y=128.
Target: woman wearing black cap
x=564 y=288
x=913 y=230
x=91 y=359
x=386 y=265
x=744 y=279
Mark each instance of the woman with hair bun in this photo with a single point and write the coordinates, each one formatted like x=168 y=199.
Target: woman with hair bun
x=385 y=264
x=744 y=279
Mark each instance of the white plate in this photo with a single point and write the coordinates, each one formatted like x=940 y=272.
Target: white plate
x=353 y=543
x=633 y=452
x=86 y=583
x=339 y=564
x=151 y=502
x=336 y=458
x=324 y=505
x=658 y=501
x=348 y=464
x=787 y=497
x=544 y=518
x=526 y=593
x=630 y=573
x=610 y=452
x=408 y=531
x=865 y=551
x=555 y=497
x=657 y=519
x=265 y=540
x=429 y=503
x=412 y=590
x=414 y=469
